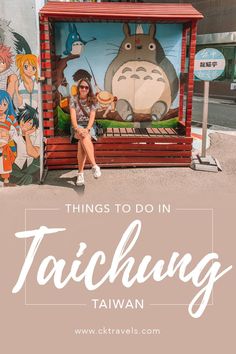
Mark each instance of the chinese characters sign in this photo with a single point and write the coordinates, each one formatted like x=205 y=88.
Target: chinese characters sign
x=209 y=64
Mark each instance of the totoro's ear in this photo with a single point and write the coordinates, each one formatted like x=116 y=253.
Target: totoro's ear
x=70 y=28
x=152 y=30
x=74 y=28
x=126 y=29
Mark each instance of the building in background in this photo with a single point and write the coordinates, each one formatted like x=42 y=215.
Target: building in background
x=216 y=30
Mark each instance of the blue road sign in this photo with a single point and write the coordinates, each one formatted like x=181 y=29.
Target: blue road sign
x=209 y=64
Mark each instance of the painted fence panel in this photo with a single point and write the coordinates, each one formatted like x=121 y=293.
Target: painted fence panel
x=134 y=70
x=19 y=113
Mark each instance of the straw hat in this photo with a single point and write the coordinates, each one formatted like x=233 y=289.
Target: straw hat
x=105 y=97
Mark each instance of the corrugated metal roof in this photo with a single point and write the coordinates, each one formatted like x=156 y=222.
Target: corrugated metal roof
x=121 y=11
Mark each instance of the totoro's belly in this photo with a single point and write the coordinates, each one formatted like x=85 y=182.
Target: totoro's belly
x=142 y=84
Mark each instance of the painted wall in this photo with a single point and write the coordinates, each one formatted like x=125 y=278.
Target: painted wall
x=19 y=118
x=135 y=68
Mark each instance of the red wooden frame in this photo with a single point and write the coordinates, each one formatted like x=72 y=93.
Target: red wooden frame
x=124 y=12
x=190 y=85
x=47 y=89
x=182 y=71
x=149 y=12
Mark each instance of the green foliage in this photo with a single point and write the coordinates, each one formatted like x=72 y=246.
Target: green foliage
x=64 y=122
x=170 y=123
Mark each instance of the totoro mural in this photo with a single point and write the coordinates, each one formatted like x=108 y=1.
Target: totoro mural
x=141 y=65
x=74 y=46
x=74 y=43
x=19 y=121
x=133 y=68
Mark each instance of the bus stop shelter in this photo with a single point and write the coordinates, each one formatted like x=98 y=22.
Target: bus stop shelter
x=141 y=144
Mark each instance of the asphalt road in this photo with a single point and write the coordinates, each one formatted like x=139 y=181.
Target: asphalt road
x=220 y=113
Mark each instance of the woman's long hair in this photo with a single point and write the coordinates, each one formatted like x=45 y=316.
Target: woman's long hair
x=91 y=97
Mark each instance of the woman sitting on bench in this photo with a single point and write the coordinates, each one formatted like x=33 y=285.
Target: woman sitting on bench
x=82 y=112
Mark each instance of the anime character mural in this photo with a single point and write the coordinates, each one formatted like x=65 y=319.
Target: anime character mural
x=19 y=133
x=106 y=102
x=20 y=143
x=7 y=36
x=7 y=155
x=27 y=90
x=74 y=43
x=8 y=77
x=139 y=86
x=74 y=46
x=26 y=165
x=8 y=125
x=12 y=39
x=81 y=74
x=11 y=44
x=141 y=63
x=7 y=112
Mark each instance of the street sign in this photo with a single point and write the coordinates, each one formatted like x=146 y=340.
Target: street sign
x=233 y=86
x=209 y=64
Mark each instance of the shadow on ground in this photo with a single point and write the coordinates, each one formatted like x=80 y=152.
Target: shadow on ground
x=66 y=179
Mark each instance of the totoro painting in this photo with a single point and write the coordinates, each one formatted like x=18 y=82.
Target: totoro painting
x=134 y=70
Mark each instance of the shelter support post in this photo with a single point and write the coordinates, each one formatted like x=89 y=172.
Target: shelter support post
x=205 y=117
x=190 y=83
x=47 y=97
x=182 y=76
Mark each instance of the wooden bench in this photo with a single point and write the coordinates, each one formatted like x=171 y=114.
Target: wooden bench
x=126 y=147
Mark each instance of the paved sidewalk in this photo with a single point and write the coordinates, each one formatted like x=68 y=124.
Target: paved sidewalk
x=197 y=134
x=212 y=128
x=127 y=182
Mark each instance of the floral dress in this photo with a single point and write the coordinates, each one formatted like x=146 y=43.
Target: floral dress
x=82 y=119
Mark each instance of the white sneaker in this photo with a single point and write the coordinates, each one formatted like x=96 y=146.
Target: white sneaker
x=80 y=179
x=96 y=171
